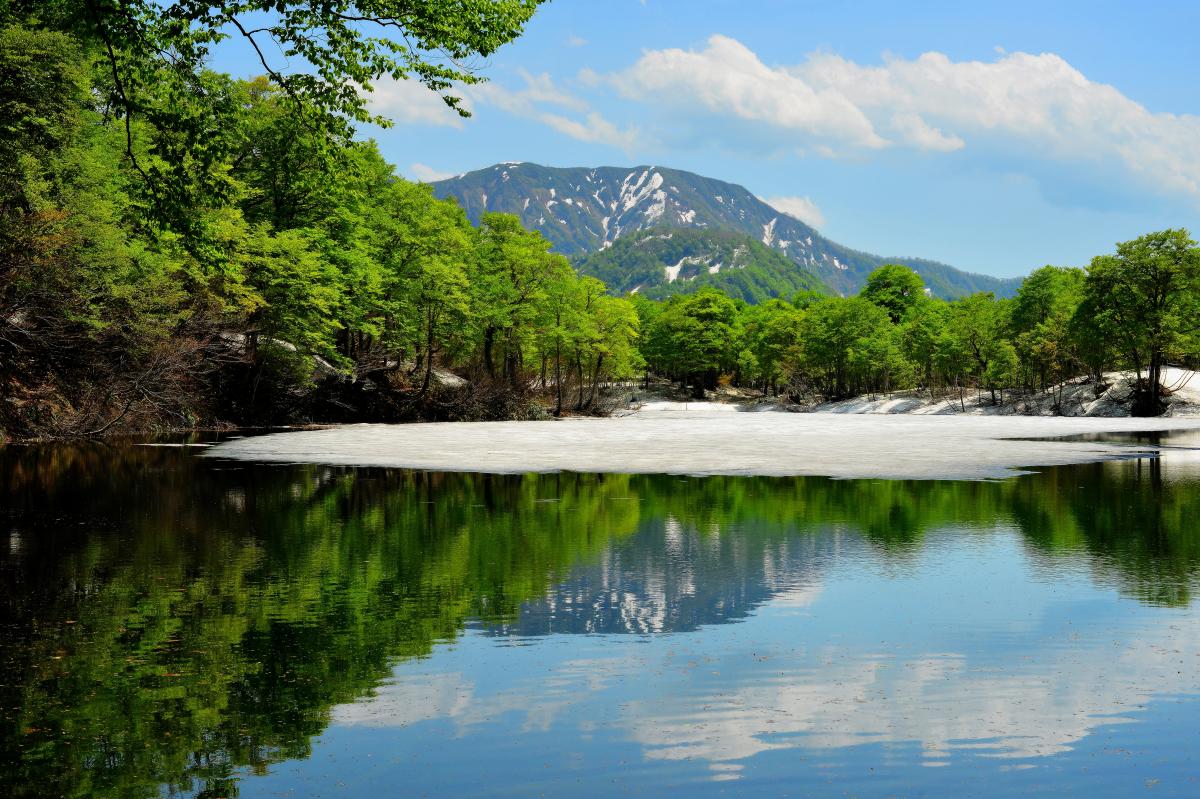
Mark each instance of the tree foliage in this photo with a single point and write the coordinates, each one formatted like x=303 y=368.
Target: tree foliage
x=298 y=256
x=1137 y=309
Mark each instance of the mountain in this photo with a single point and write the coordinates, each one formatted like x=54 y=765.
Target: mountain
x=661 y=261
x=583 y=210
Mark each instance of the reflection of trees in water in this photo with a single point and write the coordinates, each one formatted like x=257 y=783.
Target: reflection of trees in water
x=168 y=621
x=1133 y=529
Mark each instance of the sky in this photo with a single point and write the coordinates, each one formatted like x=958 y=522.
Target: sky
x=996 y=137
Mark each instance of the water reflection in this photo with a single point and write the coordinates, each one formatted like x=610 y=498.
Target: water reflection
x=168 y=623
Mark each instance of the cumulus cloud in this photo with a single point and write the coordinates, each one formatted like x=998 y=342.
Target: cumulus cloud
x=802 y=208
x=427 y=174
x=576 y=41
x=408 y=101
x=728 y=78
x=1024 y=105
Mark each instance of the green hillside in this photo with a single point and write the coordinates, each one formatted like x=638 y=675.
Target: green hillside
x=659 y=262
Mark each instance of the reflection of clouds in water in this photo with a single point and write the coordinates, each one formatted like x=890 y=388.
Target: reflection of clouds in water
x=732 y=710
x=943 y=701
x=406 y=700
x=801 y=596
x=409 y=699
x=1008 y=689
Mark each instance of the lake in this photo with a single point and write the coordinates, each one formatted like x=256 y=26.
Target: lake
x=185 y=626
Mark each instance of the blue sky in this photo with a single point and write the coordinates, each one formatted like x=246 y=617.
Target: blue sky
x=996 y=137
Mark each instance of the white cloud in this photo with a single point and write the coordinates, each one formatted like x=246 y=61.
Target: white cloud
x=541 y=92
x=729 y=79
x=576 y=41
x=916 y=131
x=1021 y=106
x=593 y=128
x=802 y=208
x=427 y=174
x=408 y=101
x=538 y=90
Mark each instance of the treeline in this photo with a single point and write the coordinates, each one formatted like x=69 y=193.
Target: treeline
x=179 y=248
x=172 y=267
x=1137 y=309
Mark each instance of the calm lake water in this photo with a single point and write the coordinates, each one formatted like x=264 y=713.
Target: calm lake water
x=171 y=625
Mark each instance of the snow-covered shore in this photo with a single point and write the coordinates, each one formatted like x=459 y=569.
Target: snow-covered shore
x=708 y=438
x=1070 y=399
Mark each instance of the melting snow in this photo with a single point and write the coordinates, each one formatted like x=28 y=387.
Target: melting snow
x=705 y=438
x=632 y=195
x=672 y=272
x=660 y=205
x=769 y=232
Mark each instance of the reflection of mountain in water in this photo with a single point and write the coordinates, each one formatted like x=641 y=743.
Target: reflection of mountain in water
x=672 y=576
x=166 y=621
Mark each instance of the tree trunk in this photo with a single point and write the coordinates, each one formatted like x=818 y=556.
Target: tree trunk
x=595 y=378
x=558 y=377
x=428 y=355
x=579 y=375
x=489 y=341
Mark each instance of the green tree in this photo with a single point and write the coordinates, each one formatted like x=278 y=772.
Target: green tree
x=1147 y=298
x=831 y=330
x=509 y=278
x=1041 y=314
x=154 y=56
x=895 y=288
x=978 y=324
x=770 y=331
x=694 y=337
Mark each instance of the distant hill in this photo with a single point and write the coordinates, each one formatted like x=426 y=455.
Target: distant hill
x=583 y=211
x=658 y=262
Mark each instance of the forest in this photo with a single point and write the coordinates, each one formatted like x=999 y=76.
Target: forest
x=179 y=248
x=1137 y=310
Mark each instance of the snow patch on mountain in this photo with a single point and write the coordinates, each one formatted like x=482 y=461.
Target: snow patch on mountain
x=769 y=232
x=639 y=191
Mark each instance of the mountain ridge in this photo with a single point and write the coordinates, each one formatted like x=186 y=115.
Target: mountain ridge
x=583 y=210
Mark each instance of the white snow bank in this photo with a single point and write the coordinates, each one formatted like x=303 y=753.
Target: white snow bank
x=1070 y=399
x=713 y=440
